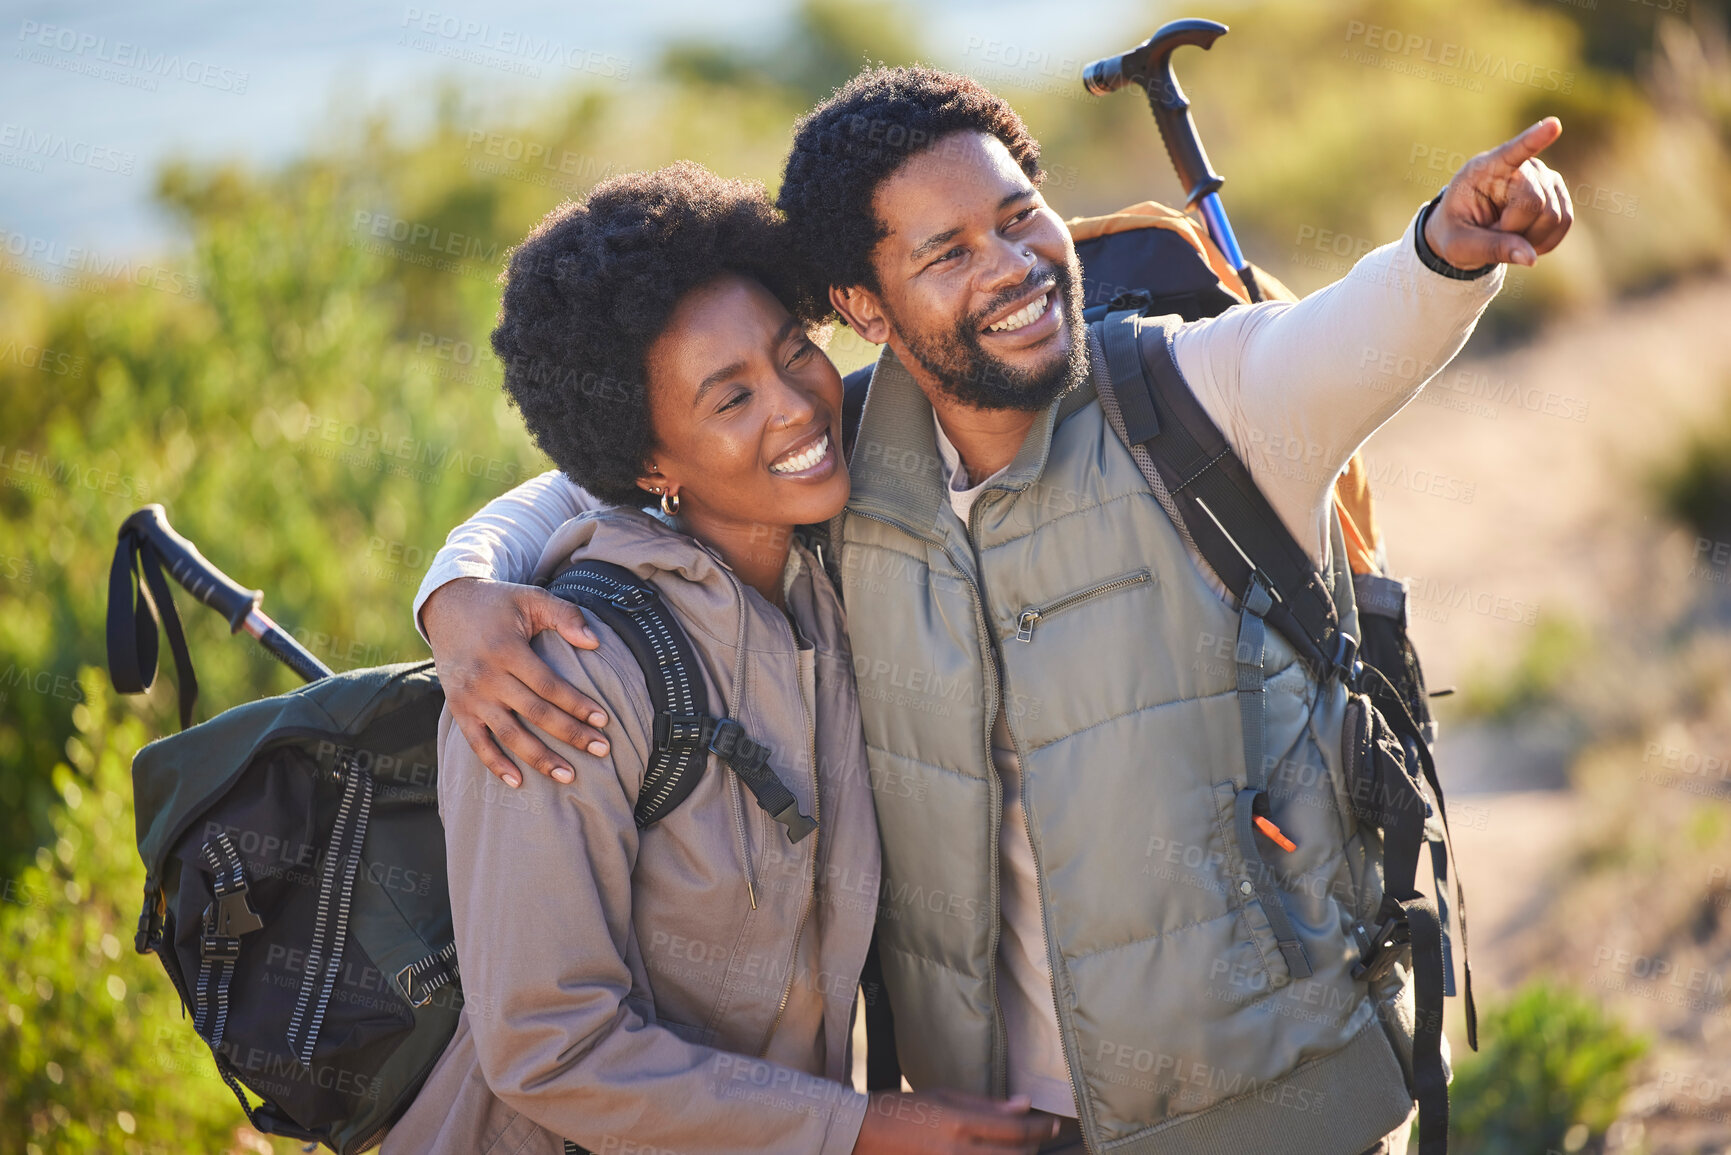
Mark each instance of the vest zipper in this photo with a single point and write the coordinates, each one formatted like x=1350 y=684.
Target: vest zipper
x=1000 y=1042
x=1046 y=938
x=1035 y=614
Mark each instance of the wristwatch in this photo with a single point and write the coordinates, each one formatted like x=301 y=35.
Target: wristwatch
x=1435 y=263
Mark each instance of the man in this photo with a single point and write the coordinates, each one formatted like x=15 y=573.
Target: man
x=1056 y=751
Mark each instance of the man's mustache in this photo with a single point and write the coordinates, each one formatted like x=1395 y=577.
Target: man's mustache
x=1048 y=275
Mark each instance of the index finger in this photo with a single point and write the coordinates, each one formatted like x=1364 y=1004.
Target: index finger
x=1530 y=143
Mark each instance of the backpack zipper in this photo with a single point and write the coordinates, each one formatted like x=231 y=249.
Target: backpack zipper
x=1031 y=616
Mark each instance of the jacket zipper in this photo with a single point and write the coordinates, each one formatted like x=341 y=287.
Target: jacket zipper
x=811 y=742
x=1000 y=1041
x=1033 y=615
x=817 y=817
x=739 y=696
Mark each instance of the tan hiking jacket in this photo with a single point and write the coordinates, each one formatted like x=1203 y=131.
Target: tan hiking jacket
x=622 y=989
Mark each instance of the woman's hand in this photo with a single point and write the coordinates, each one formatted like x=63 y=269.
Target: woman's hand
x=944 y=1122
x=494 y=682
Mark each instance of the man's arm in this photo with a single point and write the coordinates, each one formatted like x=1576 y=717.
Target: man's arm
x=503 y=541
x=1297 y=388
x=479 y=622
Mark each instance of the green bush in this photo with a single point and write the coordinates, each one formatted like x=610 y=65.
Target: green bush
x=96 y=1054
x=1551 y=1060
x=1694 y=489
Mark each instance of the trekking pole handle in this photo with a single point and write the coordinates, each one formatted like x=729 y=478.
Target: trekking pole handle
x=205 y=582
x=192 y=569
x=1149 y=67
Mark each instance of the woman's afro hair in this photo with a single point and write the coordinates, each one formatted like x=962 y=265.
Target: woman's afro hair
x=593 y=285
x=851 y=143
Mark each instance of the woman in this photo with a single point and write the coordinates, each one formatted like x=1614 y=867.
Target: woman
x=688 y=987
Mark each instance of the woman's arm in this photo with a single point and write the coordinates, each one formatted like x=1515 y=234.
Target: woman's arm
x=541 y=901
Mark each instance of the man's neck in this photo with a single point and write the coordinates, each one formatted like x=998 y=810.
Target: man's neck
x=986 y=439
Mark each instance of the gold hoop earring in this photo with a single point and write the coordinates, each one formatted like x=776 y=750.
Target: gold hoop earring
x=670 y=504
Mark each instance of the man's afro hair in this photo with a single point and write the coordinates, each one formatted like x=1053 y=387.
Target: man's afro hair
x=593 y=285
x=851 y=143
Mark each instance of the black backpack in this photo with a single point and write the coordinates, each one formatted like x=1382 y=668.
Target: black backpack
x=295 y=887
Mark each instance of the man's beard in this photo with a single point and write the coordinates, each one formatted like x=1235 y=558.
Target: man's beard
x=972 y=376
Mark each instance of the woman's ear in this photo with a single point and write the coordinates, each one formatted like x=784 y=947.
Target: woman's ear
x=863 y=311
x=653 y=481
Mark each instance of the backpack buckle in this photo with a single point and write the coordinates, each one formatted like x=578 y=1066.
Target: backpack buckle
x=225 y=920
x=406 y=980
x=735 y=747
x=1344 y=663
x=233 y=916
x=149 y=934
x=680 y=730
x=1380 y=951
x=218 y=948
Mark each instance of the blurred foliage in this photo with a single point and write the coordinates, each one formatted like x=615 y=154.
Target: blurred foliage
x=1556 y=648
x=1694 y=486
x=1551 y=1062
x=70 y=982
x=828 y=42
x=307 y=387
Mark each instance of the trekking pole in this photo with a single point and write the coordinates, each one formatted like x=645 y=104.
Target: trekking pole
x=148 y=543
x=1149 y=66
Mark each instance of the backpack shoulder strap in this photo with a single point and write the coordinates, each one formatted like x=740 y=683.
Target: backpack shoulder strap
x=685 y=732
x=1209 y=493
x=1216 y=504
x=632 y=609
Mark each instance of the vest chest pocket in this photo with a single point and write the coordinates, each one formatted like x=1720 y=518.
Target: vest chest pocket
x=1032 y=616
